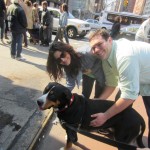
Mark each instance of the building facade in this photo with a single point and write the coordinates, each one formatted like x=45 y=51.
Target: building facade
x=139 y=7
x=131 y=4
x=83 y=9
x=146 y=10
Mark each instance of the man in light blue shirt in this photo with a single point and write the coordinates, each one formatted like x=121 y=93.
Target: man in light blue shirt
x=129 y=61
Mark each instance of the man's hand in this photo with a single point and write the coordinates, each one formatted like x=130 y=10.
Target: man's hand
x=100 y=119
x=119 y=106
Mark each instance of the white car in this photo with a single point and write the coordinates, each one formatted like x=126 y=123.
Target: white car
x=74 y=27
x=93 y=23
x=129 y=31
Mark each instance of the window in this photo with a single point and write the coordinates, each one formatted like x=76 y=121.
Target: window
x=91 y=21
x=95 y=21
x=56 y=14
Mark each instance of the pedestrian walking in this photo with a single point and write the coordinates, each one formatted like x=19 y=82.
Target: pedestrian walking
x=2 y=19
x=63 y=20
x=18 y=27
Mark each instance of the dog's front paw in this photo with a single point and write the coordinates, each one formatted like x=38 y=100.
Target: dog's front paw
x=62 y=148
x=56 y=121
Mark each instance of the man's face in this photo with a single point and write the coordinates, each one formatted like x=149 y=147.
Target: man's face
x=44 y=6
x=101 y=47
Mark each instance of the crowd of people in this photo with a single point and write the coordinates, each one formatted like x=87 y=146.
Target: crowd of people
x=25 y=16
x=111 y=63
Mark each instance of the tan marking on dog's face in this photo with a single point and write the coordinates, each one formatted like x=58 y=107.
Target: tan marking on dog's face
x=48 y=104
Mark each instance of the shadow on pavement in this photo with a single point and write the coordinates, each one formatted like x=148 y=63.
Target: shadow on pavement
x=17 y=106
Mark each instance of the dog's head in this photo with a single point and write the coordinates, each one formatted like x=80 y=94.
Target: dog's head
x=54 y=95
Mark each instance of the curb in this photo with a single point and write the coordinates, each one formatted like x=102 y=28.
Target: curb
x=40 y=130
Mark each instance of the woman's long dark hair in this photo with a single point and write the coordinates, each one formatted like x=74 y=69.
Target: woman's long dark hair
x=55 y=69
x=65 y=7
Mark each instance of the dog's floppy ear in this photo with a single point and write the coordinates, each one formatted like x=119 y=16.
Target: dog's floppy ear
x=67 y=95
x=49 y=86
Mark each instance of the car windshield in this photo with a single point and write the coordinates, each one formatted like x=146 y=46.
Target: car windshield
x=70 y=16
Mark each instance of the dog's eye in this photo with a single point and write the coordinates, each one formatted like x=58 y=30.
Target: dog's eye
x=52 y=97
x=51 y=92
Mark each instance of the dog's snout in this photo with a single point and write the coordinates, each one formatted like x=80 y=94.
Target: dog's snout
x=40 y=103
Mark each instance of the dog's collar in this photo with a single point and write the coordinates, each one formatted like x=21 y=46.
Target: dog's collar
x=66 y=106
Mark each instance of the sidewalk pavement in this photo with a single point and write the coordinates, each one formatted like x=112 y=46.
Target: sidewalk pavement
x=21 y=83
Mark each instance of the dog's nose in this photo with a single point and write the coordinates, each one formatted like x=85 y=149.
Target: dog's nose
x=40 y=103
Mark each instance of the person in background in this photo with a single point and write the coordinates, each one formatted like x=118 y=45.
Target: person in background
x=7 y=3
x=116 y=27
x=24 y=6
x=35 y=14
x=62 y=57
x=2 y=18
x=29 y=16
x=143 y=32
x=18 y=26
x=45 y=25
x=51 y=27
x=128 y=60
x=63 y=20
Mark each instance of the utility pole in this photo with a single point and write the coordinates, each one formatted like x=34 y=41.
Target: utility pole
x=120 y=4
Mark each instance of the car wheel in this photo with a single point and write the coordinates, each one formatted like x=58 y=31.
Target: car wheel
x=71 y=32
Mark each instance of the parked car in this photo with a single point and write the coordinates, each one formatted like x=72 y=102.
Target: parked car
x=93 y=23
x=129 y=31
x=74 y=27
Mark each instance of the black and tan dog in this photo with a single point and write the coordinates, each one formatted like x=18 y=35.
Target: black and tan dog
x=76 y=111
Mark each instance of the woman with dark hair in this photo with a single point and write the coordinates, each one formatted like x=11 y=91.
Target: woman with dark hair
x=62 y=57
x=63 y=20
x=116 y=27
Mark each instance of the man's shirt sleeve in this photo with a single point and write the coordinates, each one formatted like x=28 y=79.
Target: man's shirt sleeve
x=128 y=69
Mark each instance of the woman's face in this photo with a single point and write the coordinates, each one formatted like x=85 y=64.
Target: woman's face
x=62 y=58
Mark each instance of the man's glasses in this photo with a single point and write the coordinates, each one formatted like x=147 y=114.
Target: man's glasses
x=98 y=45
x=62 y=55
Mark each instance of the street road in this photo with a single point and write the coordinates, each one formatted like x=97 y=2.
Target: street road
x=53 y=137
